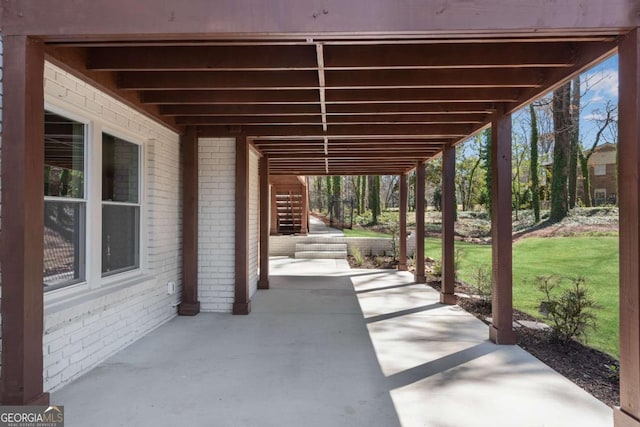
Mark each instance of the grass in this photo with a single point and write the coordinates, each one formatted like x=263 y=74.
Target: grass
x=594 y=258
x=359 y=232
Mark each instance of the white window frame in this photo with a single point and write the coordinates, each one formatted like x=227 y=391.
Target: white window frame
x=95 y=126
x=599 y=190
x=599 y=169
x=138 y=205
x=88 y=131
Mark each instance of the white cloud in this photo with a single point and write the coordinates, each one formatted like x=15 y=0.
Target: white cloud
x=601 y=84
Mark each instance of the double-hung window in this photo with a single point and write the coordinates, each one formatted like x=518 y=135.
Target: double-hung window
x=120 y=205
x=65 y=201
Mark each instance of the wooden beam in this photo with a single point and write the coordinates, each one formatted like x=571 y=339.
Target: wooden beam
x=263 y=282
x=447 y=293
x=297 y=19
x=501 y=332
x=411 y=107
x=217 y=80
x=190 y=305
x=349 y=155
x=412 y=95
x=199 y=58
x=435 y=78
x=373 y=130
x=224 y=97
x=402 y=224
x=307 y=120
x=420 y=205
x=450 y=55
x=628 y=414
x=242 y=303
x=22 y=222
x=240 y=110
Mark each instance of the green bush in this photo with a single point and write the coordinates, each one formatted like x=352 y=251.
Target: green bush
x=569 y=309
x=483 y=283
x=358 y=258
x=436 y=270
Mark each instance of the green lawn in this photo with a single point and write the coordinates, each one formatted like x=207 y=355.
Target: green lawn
x=359 y=232
x=594 y=258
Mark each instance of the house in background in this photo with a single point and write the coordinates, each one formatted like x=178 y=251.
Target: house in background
x=602 y=175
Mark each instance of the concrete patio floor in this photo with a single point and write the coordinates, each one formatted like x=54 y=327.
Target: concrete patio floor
x=328 y=346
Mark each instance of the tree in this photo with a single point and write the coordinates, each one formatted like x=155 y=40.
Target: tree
x=584 y=156
x=533 y=165
x=374 y=197
x=562 y=131
x=574 y=144
x=485 y=156
x=336 y=190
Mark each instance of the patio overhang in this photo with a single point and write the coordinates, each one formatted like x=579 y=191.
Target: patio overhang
x=339 y=88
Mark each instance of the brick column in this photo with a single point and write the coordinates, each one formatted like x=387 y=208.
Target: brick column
x=501 y=332
x=447 y=294
x=629 y=177
x=402 y=224
x=420 y=177
x=190 y=306
x=242 y=304
x=263 y=283
x=22 y=244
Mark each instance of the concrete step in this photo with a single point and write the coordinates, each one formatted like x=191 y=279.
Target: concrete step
x=321 y=254
x=321 y=247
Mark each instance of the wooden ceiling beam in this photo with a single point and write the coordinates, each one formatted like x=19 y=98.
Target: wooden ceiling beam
x=439 y=131
x=225 y=97
x=241 y=110
x=423 y=95
x=451 y=55
x=435 y=78
x=286 y=120
x=359 y=156
x=200 y=58
x=206 y=80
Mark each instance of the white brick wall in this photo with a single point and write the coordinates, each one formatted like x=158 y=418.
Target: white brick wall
x=216 y=224
x=254 y=221
x=82 y=328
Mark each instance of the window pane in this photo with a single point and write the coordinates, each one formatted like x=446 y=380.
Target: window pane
x=120 y=238
x=63 y=157
x=119 y=170
x=64 y=230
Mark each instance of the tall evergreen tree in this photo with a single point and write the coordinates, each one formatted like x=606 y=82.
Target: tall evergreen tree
x=533 y=165
x=485 y=156
x=574 y=144
x=562 y=135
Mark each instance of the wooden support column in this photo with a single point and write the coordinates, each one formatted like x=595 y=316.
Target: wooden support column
x=190 y=306
x=304 y=220
x=447 y=294
x=22 y=245
x=274 y=211
x=242 y=304
x=420 y=177
x=628 y=414
x=265 y=200
x=501 y=332
x=402 y=224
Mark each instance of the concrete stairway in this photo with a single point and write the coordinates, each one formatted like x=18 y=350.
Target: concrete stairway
x=321 y=250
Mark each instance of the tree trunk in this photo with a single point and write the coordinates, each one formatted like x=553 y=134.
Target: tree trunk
x=533 y=166
x=586 y=181
x=336 y=190
x=561 y=130
x=574 y=142
x=485 y=154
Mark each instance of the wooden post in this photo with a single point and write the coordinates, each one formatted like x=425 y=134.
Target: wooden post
x=628 y=414
x=501 y=332
x=420 y=177
x=190 y=305
x=447 y=294
x=22 y=245
x=304 y=220
x=402 y=224
x=242 y=304
x=263 y=283
x=274 y=210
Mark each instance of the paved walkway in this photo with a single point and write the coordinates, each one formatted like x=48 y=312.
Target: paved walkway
x=328 y=346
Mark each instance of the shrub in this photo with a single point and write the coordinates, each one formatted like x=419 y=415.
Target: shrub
x=436 y=270
x=569 y=309
x=358 y=258
x=483 y=283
